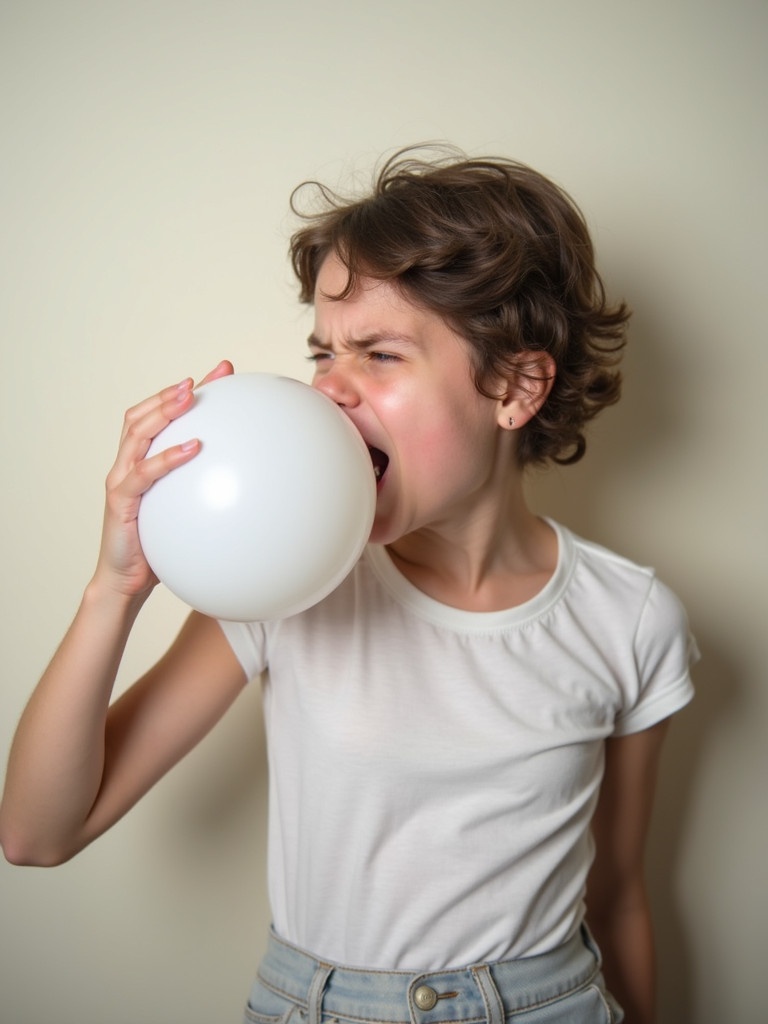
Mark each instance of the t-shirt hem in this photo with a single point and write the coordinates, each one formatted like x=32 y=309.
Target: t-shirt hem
x=239 y=639
x=653 y=711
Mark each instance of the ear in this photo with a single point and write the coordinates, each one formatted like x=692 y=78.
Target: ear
x=526 y=389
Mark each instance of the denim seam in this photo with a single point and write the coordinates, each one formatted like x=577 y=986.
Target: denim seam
x=609 y=1015
x=432 y=977
x=263 y=1018
x=281 y=992
x=508 y=1014
x=485 y=983
x=583 y=985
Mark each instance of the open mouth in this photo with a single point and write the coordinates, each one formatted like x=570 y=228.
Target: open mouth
x=380 y=462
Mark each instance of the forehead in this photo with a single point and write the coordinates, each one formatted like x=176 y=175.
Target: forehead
x=374 y=303
x=333 y=277
x=379 y=312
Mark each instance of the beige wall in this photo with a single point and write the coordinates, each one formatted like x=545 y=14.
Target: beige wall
x=148 y=149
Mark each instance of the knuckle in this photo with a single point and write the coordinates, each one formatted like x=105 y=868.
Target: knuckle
x=113 y=501
x=143 y=472
x=132 y=415
x=133 y=430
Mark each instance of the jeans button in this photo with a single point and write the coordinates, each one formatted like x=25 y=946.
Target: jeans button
x=425 y=997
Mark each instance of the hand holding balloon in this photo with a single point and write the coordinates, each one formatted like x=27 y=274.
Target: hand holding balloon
x=274 y=510
x=122 y=568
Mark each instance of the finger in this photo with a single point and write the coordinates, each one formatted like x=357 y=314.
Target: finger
x=224 y=369
x=145 y=472
x=144 y=422
x=175 y=393
x=149 y=470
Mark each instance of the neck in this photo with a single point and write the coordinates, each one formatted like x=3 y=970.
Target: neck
x=496 y=559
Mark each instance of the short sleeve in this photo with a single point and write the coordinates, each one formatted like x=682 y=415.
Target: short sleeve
x=665 y=650
x=247 y=640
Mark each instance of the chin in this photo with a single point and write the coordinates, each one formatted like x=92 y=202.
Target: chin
x=383 y=533
x=379 y=535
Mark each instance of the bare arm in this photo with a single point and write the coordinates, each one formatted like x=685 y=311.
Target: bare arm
x=617 y=901
x=76 y=765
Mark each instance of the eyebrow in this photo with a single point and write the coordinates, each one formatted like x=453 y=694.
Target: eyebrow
x=363 y=344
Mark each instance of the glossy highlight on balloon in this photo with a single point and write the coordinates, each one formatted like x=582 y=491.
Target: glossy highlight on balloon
x=273 y=512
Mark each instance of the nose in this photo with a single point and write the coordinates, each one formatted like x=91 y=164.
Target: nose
x=336 y=383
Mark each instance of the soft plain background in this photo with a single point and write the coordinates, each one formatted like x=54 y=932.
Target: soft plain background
x=148 y=150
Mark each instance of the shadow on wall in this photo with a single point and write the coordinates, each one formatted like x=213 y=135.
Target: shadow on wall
x=717 y=693
x=627 y=445
x=224 y=786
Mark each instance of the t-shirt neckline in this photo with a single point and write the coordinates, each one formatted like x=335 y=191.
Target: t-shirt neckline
x=425 y=607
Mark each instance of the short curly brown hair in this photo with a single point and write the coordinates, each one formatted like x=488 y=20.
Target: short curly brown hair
x=504 y=256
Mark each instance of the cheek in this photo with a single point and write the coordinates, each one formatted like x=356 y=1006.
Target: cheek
x=439 y=450
x=418 y=430
x=435 y=433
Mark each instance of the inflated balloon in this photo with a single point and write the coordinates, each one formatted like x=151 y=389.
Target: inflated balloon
x=275 y=509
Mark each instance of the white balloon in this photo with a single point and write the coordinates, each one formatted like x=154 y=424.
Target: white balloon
x=275 y=509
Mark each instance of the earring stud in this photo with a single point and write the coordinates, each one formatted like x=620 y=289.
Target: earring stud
x=511 y=421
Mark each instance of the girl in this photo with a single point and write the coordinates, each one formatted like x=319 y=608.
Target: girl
x=464 y=736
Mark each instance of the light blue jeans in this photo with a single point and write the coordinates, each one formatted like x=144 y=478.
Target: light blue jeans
x=561 y=987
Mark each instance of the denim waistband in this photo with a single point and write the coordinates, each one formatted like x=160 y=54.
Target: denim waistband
x=479 y=992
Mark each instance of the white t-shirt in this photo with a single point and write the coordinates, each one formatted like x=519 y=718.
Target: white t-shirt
x=433 y=771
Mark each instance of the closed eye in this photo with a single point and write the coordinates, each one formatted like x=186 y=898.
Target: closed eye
x=383 y=357
x=321 y=356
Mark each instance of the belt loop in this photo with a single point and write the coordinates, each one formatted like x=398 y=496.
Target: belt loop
x=494 y=1007
x=315 y=994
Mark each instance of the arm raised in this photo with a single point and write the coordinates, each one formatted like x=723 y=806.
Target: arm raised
x=76 y=765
